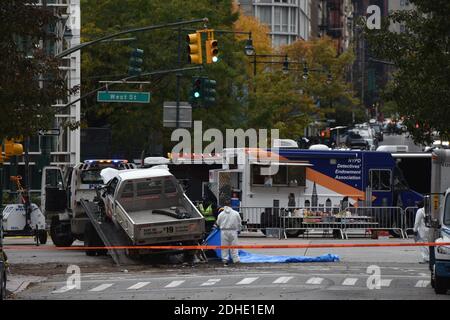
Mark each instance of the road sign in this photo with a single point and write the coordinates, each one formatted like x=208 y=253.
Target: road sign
x=170 y=115
x=123 y=96
x=51 y=132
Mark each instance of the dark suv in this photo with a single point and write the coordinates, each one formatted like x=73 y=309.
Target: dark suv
x=355 y=141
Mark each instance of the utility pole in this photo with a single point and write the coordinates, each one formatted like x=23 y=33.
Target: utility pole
x=178 y=75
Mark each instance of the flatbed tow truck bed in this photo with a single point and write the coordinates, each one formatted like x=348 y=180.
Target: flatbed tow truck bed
x=109 y=234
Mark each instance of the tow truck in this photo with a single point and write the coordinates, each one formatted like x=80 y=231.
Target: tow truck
x=61 y=194
x=437 y=211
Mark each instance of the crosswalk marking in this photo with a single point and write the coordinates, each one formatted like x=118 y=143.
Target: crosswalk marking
x=247 y=280
x=386 y=282
x=422 y=283
x=138 y=285
x=282 y=280
x=64 y=289
x=210 y=282
x=314 y=280
x=349 y=281
x=102 y=287
x=174 y=284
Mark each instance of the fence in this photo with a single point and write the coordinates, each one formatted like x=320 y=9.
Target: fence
x=292 y=222
x=410 y=217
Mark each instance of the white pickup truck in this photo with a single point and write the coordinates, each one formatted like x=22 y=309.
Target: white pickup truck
x=150 y=207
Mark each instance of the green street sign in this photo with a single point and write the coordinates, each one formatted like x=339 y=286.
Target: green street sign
x=123 y=96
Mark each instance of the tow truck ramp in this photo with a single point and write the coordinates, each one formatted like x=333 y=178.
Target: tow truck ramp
x=110 y=235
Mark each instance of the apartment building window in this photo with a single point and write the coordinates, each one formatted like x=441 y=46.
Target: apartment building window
x=265 y=15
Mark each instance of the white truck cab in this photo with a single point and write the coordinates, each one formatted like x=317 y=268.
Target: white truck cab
x=61 y=192
x=440 y=256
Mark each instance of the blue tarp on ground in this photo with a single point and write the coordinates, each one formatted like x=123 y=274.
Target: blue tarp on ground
x=246 y=257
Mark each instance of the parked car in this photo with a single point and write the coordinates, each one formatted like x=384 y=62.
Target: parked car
x=355 y=141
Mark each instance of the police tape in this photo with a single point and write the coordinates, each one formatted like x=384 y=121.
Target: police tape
x=215 y=247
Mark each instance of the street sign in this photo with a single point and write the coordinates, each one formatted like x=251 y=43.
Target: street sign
x=51 y=132
x=170 y=115
x=123 y=96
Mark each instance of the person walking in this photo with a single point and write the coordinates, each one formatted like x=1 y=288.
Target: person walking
x=421 y=232
x=229 y=222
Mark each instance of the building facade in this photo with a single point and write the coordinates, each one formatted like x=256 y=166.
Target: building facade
x=288 y=20
x=61 y=148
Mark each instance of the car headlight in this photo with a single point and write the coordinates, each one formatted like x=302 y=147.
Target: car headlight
x=443 y=250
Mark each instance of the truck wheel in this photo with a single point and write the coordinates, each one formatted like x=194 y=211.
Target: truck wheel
x=440 y=285
x=292 y=233
x=92 y=239
x=60 y=233
x=42 y=236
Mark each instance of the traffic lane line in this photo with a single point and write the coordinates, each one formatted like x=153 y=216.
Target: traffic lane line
x=349 y=281
x=174 y=283
x=327 y=283
x=233 y=277
x=282 y=280
x=101 y=287
x=210 y=282
x=138 y=285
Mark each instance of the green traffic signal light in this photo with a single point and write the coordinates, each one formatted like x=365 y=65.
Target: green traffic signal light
x=135 y=63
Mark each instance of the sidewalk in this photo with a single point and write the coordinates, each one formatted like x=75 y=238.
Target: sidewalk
x=18 y=283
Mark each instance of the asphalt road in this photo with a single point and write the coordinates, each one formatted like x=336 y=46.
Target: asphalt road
x=318 y=281
x=395 y=139
x=44 y=273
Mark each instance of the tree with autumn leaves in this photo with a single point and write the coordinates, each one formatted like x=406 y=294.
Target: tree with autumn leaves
x=285 y=100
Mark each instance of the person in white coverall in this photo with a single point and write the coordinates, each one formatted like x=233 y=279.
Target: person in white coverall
x=421 y=232
x=229 y=222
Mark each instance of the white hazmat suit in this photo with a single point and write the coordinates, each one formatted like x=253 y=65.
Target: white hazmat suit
x=422 y=232
x=229 y=221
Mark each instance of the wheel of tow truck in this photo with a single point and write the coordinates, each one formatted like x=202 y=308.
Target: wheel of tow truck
x=60 y=233
x=88 y=240
x=396 y=233
x=42 y=236
x=293 y=233
x=92 y=239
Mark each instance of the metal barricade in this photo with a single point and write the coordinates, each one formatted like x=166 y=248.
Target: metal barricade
x=409 y=219
x=305 y=220
x=261 y=218
x=292 y=222
x=374 y=218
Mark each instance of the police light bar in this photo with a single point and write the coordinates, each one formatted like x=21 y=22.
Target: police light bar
x=105 y=161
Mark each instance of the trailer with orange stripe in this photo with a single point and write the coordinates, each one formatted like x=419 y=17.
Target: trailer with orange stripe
x=327 y=179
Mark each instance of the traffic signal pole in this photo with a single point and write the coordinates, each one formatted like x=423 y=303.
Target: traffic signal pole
x=178 y=75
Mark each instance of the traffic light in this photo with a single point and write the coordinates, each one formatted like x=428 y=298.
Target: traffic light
x=13 y=149
x=212 y=51
x=209 y=90
x=197 y=89
x=194 y=48
x=135 y=64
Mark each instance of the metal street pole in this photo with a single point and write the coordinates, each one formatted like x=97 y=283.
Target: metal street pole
x=178 y=75
x=102 y=39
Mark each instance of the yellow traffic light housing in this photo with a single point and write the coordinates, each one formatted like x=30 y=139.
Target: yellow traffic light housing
x=195 y=48
x=13 y=149
x=212 y=51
